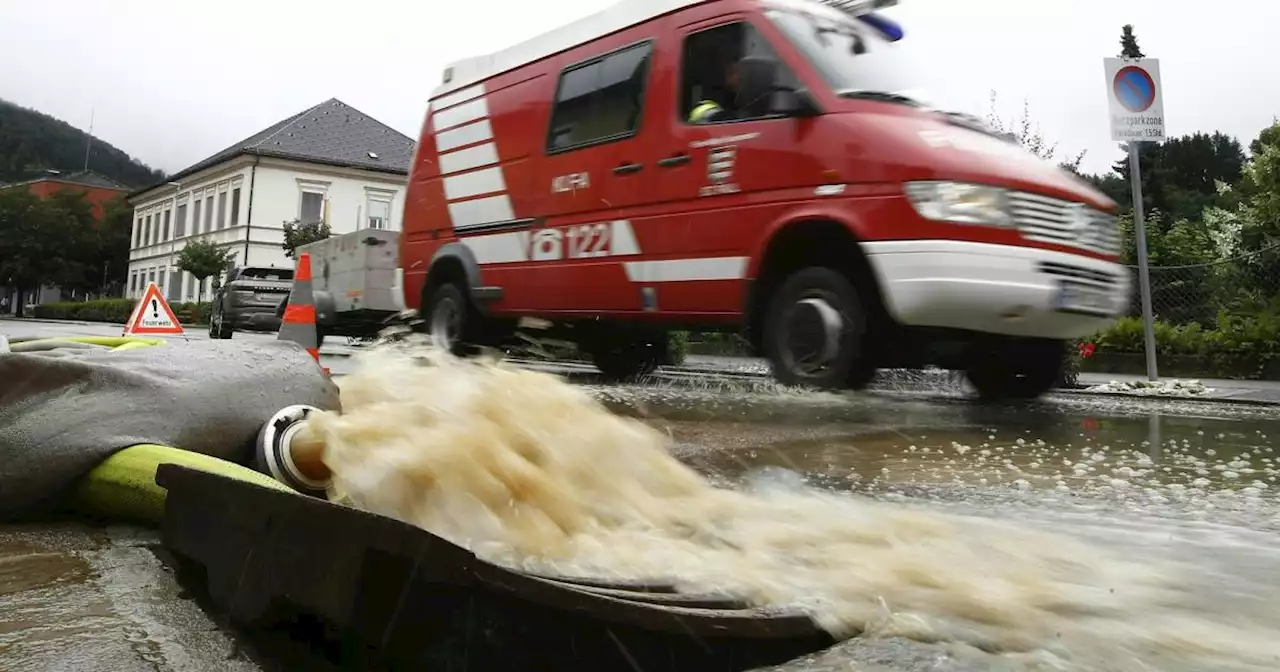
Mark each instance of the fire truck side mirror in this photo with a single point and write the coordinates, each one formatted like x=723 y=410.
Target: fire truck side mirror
x=759 y=90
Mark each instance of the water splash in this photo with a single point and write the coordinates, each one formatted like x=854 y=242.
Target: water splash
x=534 y=473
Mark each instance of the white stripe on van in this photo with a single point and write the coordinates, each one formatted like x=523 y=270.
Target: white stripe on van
x=499 y=248
x=460 y=96
x=470 y=214
x=466 y=159
x=456 y=116
x=474 y=183
x=687 y=270
x=463 y=135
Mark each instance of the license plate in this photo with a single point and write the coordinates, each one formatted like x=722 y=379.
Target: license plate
x=1074 y=298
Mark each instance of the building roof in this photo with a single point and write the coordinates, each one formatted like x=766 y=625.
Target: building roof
x=83 y=178
x=331 y=133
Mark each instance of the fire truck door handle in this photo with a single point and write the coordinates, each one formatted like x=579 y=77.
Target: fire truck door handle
x=628 y=168
x=672 y=161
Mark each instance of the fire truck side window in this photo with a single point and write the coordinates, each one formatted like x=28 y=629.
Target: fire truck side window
x=709 y=59
x=601 y=100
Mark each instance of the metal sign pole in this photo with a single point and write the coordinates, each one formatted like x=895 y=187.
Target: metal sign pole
x=1144 y=273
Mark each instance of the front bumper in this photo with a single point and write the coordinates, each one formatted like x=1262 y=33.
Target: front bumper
x=996 y=289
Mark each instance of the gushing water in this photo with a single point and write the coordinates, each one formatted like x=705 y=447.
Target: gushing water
x=534 y=473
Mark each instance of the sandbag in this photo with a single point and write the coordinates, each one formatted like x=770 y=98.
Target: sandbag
x=62 y=416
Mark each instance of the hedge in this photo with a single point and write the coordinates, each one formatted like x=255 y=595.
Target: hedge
x=1237 y=346
x=116 y=311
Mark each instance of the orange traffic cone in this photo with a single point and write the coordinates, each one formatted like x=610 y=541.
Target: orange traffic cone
x=299 y=322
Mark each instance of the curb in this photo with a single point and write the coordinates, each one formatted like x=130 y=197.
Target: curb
x=1260 y=403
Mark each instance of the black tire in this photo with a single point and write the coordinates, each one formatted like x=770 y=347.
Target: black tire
x=625 y=358
x=447 y=311
x=1016 y=368
x=217 y=325
x=815 y=295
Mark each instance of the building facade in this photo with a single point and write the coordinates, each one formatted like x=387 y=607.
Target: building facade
x=330 y=163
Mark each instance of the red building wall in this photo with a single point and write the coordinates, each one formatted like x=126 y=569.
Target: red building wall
x=98 y=196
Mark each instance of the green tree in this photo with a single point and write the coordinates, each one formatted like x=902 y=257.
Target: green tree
x=113 y=236
x=203 y=258
x=43 y=242
x=1259 y=210
x=1181 y=176
x=1024 y=131
x=1129 y=43
x=297 y=234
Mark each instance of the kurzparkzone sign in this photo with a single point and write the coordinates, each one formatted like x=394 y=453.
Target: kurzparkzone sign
x=1134 y=93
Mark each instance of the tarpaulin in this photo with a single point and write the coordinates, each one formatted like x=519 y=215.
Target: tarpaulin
x=63 y=412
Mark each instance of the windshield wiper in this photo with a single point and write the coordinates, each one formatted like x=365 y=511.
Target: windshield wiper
x=886 y=96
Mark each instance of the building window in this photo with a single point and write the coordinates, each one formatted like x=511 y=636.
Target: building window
x=311 y=209
x=180 y=222
x=165 y=236
x=208 y=213
x=222 y=210
x=378 y=207
x=190 y=282
x=195 y=216
x=137 y=233
x=146 y=232
x=601 y=100
x=160 y=277
x=151 y=275
x=133 y=283
x=235 y=207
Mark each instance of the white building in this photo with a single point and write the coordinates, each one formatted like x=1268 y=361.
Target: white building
x=331 y=163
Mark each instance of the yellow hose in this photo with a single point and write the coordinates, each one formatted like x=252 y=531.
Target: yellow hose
x=114 y=342
x=123 y=486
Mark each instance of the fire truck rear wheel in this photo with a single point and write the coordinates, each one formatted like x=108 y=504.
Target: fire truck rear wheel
x=447 y=316
x=814 y=332
x=1015 y=368
x=625 y=358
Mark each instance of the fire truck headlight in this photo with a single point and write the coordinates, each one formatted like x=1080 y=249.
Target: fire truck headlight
x=960 y=203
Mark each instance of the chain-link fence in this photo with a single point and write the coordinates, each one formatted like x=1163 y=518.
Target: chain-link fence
x=1216 y=320
x=1200 y=293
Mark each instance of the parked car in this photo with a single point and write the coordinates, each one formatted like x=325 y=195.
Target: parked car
x=247 y=300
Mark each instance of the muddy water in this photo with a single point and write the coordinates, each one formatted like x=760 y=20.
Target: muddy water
x=94 y=599
x=994 y=539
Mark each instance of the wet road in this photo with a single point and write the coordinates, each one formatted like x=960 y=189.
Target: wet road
x=1159 y=479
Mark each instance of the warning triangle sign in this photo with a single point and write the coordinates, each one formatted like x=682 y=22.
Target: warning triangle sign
x=153 y=316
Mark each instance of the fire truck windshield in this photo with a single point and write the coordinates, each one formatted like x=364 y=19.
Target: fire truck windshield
x=855 y=60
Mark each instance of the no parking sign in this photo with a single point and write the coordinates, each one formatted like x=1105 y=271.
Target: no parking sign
x=1134 y=93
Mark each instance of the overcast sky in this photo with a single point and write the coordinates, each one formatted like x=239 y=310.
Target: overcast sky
x=173 y=82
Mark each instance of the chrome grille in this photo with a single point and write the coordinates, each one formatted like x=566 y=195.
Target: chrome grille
x=1051 y=220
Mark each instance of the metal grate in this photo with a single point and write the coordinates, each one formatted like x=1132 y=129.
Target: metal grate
x=1050 y=220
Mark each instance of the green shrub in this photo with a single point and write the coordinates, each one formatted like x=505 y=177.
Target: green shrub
x=1235 y=344
x=677 y=347
x=115 y=311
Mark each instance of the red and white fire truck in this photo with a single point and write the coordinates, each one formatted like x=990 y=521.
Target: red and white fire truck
x=837 y=223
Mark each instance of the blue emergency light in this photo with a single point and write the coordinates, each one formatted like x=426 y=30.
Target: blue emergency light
x=864 y=11
x=887 y=28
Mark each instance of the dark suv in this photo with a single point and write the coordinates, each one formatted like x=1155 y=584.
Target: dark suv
x=248 y=300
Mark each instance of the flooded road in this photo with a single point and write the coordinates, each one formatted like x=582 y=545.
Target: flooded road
x=1164 y=485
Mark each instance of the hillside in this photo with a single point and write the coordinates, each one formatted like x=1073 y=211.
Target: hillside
x=31 y=142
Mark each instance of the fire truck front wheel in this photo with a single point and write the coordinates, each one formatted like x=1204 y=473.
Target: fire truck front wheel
x=815 y=332
x=1008 y=369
